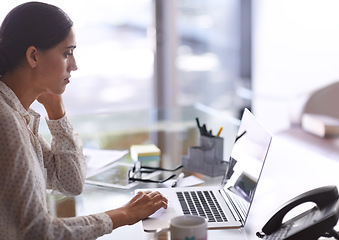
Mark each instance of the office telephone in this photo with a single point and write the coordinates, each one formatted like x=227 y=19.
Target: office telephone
x=312 y=224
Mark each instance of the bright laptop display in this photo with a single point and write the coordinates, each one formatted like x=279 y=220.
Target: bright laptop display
x=230 y=202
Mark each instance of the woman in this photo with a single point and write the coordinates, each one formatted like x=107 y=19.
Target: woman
x=36 y=60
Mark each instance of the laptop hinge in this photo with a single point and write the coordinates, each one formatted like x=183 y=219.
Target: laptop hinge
x=231 y=205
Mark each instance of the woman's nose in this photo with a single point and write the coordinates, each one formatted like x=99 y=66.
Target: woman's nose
x=73 y=65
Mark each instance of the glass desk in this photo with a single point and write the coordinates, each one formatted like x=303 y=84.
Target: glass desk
x=291 y=167
x=173 y=134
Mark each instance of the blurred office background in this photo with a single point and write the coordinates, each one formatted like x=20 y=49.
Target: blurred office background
x=144 y=54
x=218 y=54
x=295 y=51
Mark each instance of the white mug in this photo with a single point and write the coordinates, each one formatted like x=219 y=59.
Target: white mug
x=187 y=227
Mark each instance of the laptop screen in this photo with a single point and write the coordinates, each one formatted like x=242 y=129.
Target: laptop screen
x=246 y=161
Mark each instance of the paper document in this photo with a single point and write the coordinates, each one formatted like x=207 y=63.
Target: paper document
x=116 y=175
x=97 y=158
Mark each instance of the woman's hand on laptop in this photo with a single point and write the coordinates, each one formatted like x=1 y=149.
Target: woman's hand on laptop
x=142 y=205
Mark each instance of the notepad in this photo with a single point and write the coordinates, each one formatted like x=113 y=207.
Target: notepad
x=145 y=152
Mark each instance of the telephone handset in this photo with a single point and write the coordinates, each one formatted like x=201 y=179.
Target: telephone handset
x=316 y=222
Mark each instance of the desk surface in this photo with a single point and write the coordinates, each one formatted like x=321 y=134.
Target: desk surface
x=291 y=168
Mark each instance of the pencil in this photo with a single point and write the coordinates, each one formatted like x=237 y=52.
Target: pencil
x=219 y=131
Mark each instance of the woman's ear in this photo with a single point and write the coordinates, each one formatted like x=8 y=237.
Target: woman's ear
x=31 y=56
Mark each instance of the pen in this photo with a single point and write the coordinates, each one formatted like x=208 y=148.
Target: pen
x=198 y=123
x=179 y=178
x=219 y=131
x=203 y=129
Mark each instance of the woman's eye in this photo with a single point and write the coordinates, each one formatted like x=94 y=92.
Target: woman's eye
x=67 y=54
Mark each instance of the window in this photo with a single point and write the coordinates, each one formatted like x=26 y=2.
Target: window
x=212 y=45
x=115 y=54
x=208 y=55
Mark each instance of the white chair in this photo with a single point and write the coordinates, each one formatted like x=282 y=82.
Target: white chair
x=323 y=101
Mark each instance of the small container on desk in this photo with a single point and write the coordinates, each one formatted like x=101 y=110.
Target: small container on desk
x=207 y=158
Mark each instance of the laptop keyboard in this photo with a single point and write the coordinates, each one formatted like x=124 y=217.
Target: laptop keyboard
x=202 y=203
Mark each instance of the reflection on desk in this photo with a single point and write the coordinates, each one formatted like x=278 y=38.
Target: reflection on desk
x=292 y=167
x=173 y=137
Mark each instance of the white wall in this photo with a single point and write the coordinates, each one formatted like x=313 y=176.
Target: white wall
x=295 y=50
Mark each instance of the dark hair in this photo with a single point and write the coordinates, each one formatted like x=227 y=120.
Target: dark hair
x=30 y=24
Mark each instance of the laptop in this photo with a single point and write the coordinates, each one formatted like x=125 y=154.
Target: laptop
x=227 y=205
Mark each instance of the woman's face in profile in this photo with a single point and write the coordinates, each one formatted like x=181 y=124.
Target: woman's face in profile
x=55 y=65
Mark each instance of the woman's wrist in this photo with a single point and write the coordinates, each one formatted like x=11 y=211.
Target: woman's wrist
x=55 y=109
x=119 y=217
x=55 y=113
x=53 y=104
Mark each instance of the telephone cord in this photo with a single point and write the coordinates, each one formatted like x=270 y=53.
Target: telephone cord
x=332 y=233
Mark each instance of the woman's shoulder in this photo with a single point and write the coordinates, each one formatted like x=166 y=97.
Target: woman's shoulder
x=5 y=107
x=8 y=116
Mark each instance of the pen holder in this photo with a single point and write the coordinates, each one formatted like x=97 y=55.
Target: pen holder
x=206 y=158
